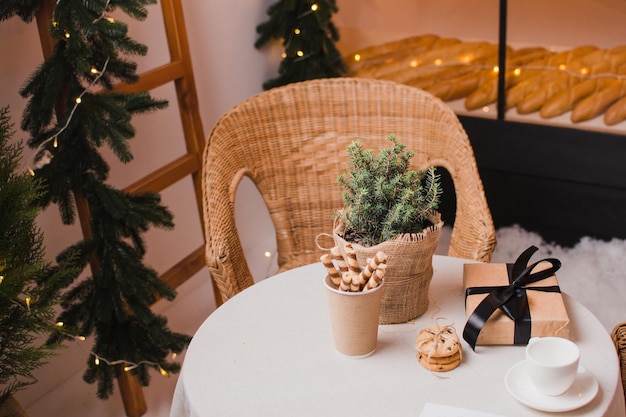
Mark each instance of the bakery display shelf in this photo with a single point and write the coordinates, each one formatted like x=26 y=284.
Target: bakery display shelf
x=582 y=86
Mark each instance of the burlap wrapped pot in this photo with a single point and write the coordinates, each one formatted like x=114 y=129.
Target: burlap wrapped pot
x=409 y=270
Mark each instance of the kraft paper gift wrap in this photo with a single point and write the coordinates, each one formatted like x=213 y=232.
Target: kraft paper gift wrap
x=510 y=303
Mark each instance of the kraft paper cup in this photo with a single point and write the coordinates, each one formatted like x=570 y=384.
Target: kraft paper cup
x=354 y=319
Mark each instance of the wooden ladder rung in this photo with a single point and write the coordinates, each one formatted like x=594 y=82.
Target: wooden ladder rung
x=166 y=175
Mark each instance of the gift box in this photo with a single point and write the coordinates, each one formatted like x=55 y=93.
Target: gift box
x=510 y=303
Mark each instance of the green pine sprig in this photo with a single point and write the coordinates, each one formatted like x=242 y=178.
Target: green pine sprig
x=382 y=197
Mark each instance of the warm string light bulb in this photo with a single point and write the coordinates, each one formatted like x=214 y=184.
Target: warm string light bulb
x=296 y=31
x=314 y=7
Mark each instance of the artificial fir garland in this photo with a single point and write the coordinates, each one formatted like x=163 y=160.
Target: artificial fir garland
x=30 y=287
x=68 y=121
x=308 y=37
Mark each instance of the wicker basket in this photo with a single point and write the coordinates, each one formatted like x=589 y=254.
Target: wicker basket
x=409 y=271
x=619 y=339
x=12 y=408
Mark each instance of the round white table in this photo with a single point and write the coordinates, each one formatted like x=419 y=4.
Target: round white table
x=269 y=352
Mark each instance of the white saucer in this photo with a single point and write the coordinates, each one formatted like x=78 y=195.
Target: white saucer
x=582 y=391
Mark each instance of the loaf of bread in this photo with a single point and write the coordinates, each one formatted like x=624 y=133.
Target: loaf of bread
x=437 y=59
x=616 y=112
x=402 y=60
x=460 y=87
x=593 y=105
x=446 y=72
x=565 y=100
x=487 y=93
x=377 y=54
x=545 y=74
x=535 y=99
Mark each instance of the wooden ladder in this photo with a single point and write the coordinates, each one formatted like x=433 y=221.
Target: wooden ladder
x=178 y=70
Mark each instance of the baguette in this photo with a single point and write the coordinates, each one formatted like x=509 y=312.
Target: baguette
x=432 y=61
x=616 y=112
x=487 y=92
x=402 y=60
x=536 y=99
x=540 y=73
x=383 y=51
x=443 y=75
x=460 y=87
x=565 y=100
x=601 y=60
x=527 y=86
x=448 y=72
x=592 y=106
x=552 y=63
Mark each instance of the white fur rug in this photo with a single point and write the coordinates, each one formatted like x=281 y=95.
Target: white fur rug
x=593 y=271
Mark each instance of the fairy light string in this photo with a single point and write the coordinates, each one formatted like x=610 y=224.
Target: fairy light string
x=42 y=156
x=98 y=359
x=300 y=54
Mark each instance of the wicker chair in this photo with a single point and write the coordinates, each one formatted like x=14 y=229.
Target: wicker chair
x=619 y=338
x=291 y=142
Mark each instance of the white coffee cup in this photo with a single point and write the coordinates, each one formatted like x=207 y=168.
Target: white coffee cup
x=552 y=364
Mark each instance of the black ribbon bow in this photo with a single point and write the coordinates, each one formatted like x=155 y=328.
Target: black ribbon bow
x=512 y=299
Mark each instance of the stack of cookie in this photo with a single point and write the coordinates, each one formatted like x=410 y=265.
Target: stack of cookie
x=439 y=348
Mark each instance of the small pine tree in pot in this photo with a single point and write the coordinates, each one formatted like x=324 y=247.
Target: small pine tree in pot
x=30 y=286
x=389 y=207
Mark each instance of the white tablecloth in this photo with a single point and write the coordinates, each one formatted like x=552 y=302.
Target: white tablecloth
x=269 y=352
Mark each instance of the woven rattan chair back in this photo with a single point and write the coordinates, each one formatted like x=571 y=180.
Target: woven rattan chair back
x=291 y=142
x=619 y=339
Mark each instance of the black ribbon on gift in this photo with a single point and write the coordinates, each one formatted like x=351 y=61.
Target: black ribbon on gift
x=512 y=300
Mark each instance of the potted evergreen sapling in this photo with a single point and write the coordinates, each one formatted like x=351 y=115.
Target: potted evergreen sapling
x=390 y=208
